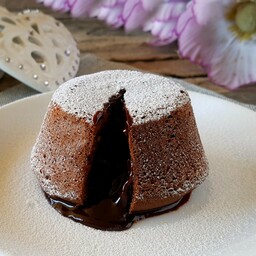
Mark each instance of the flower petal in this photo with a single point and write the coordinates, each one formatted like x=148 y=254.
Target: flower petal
x=209 y=10
x=217 y=49
x=163 y=23
x=110 y=11
x=236 y=67
x=134 y=14
x=81 y=8
x=129 y=7
x=164 y=34
x=184 y=19
x=150 y=5
x=55 y=4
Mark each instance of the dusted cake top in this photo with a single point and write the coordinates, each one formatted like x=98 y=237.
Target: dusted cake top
x=147 y=97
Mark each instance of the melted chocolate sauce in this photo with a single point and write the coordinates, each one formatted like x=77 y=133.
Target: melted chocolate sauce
x=109 y=185
x=108 y=215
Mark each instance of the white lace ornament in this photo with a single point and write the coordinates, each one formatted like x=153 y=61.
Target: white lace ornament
x=37 y=49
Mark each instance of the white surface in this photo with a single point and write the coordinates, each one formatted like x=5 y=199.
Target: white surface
x=219 y=219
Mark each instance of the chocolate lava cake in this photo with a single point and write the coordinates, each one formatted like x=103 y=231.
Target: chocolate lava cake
x=117 y=145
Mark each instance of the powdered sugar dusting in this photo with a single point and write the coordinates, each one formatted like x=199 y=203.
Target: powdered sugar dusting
x=147 y=97
x=150 y=97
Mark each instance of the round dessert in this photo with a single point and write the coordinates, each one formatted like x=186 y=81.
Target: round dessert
x=118 y=145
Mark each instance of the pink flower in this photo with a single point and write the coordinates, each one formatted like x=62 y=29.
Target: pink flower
x=220 y=35
x=80 y=8
x=110 y=11
x=136 y=12
x=163 y=23
x=58 y=5
x=156 y=16
x=77 y=8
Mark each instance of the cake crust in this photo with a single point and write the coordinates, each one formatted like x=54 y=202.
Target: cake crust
x=60 y=157
x=173 y=161
x=167 y=157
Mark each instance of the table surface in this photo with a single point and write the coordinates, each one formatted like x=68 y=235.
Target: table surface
x=95 y=37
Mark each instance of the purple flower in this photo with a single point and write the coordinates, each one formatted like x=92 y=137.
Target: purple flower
x=159 y=17
x=136 y=12
x=80 y=8
x=156 y=16
x=220 y=35
x=110 y=11
x=163 y=23
x=58 y=5
x=77 y=8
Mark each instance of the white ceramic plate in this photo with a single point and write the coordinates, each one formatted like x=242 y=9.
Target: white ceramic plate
x=219 y=218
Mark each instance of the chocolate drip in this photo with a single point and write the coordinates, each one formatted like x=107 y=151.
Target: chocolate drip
x=108 y=215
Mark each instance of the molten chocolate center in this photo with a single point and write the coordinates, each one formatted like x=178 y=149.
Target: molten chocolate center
x=107 y=215
x=109 y=185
